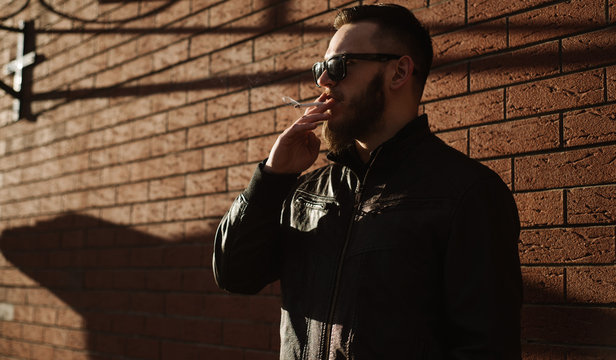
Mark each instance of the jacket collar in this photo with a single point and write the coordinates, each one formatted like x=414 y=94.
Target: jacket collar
x=389 y=152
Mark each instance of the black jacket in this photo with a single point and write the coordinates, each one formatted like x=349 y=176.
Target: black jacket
x=411 y=257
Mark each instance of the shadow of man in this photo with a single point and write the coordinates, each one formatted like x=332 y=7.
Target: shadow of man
x=78 y=287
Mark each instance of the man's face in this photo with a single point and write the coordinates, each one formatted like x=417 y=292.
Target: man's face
x=359 y=99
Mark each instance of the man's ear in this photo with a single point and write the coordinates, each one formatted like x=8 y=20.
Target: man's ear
x=403 y=72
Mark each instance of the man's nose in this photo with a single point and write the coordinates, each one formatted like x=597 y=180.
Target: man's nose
x=325 y=81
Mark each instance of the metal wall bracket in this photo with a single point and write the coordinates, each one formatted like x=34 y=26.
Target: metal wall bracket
x=21 y=68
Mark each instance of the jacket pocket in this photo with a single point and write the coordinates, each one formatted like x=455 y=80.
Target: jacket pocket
x=309 y=211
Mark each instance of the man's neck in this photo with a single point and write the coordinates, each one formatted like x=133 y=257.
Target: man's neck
x=390 y=128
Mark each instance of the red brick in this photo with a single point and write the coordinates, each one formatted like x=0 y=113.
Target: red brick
x=571 y=168
x=567 y=245
x=41 y=351
x=173 y=351
x=442 y=16
x=556 y=20
x=231 y=57
x=486 y=9
x=472 y=41
x=188 y=208
x=20 y=349
x=555 y=94
x=186 y=116
x=101 y=197
x=169 y=165
x=569 y=325
x=148 y=212
x=590 y=126
x=456 y=139
x=591 y=285
x=307 y=90
x=209 y=134
x=184 y=304
x=170 y=55
x=172 y=231
x=225 y=155
x=115 y=174
x=119 y=215
x=259 y=148
x=168 y=143
x=168 y=100
x=227 y=106
x=133 y=151
x=516 y=66
x=128 y=279
x=251 y=75
x=206 y=182
x=142 y=348
x=277 y=42
x=515 y=137
x=446 y=81
x=271 y=95
x=465 y=110
x=202 y=331
x=590 y=354
x=147 y=302
x=611 y=83
x=127 y=324
x=540 y=208
x=199 y=280
x=286 y=116
x=589 y=50
x=301 y=60
x=12 y=330
x=218 y=204
x=543 y=284
x=226 y=12
x=246 y=335
x=298 y=10
x=261 y=355
x=108 y=343
x=591 y=205
x=154 y=124
x=251 y=125
x=163 y=280
x=132 y=193
x=166 y=188
x=239 y=176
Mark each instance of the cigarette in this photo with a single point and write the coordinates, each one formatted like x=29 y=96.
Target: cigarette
x=296 y=104
x=309 y=104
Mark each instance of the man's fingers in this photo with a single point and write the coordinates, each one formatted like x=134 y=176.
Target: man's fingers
x=310 y=118
x=320 y=108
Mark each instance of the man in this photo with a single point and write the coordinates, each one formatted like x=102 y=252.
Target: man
x=401 y=248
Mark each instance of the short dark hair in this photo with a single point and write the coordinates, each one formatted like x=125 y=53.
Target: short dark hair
x=402 y=26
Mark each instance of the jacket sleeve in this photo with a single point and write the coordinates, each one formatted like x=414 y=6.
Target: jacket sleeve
x=247 y=242
x=483 y=284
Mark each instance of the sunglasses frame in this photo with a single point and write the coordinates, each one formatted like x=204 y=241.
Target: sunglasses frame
x=344 y=58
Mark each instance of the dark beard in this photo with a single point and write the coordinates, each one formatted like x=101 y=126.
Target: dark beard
x=366 y=111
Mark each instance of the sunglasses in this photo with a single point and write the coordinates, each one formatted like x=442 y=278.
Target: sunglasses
x=336 y=65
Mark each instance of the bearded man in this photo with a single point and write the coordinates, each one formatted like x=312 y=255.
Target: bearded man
x=401 y=247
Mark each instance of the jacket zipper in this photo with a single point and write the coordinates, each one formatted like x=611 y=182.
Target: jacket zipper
x=332 y=305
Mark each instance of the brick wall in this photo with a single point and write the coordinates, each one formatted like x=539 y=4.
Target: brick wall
x=152 y=114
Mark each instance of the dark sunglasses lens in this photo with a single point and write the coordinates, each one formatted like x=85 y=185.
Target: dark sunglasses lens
x=317 y=71
x=335 y=68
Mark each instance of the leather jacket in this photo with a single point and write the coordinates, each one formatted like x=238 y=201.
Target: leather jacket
x=412 y=256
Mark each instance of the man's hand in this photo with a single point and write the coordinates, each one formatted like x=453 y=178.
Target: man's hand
x=298 y=147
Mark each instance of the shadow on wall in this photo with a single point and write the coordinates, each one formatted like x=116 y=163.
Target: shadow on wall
x=83 y=288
